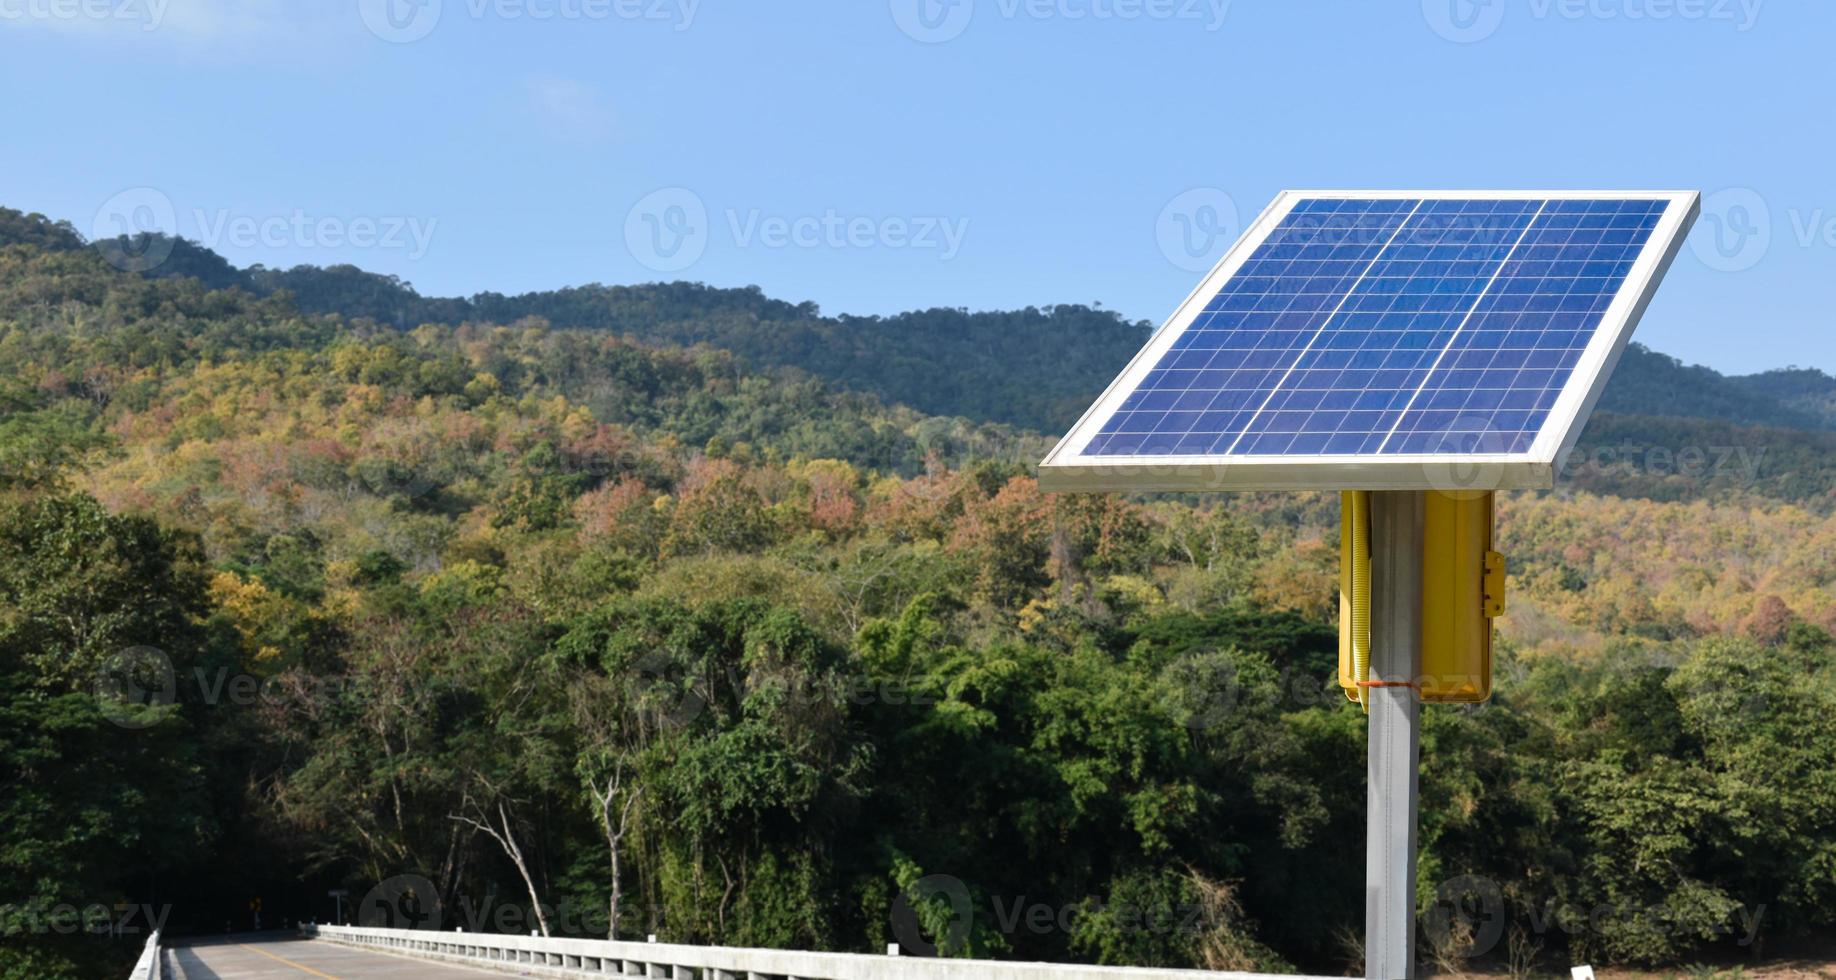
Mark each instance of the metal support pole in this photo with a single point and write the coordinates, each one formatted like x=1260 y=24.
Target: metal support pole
x=1395 y=734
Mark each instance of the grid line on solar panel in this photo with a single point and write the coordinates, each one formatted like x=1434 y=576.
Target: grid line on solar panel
x=1503 y=375
x=1349 y=391
x=1250 y=333
x=1393 y=326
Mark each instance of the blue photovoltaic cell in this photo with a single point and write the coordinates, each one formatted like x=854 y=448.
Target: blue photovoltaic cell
x=1364 y=327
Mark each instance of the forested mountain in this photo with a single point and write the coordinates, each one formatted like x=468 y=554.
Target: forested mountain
x=1649 y=383
x=1805 y=390
x=1036 y=368
x=294 y=600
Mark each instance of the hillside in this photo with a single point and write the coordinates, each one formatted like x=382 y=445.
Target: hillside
x=1035 y=368
x=1806 y=390
x=1649 y=383
x=1032 y=368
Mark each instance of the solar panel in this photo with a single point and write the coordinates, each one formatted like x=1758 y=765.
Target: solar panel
x=1385 y=341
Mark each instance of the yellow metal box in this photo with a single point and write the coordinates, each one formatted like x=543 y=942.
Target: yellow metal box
x=1462 y=592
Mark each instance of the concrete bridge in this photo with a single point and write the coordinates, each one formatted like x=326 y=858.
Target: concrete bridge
x=354 y=953
x=292 y=957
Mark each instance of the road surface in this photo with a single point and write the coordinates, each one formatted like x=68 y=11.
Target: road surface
x=271 y=957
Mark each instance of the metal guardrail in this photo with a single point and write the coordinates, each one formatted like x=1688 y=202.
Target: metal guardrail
x=531 y=955
x=149 y=966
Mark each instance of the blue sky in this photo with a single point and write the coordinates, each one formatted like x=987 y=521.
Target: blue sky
x=882 y=155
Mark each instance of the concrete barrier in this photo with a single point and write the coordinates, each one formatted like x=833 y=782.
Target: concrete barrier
x=535 y=956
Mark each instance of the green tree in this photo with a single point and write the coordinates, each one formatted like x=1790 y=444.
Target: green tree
x=101 y=775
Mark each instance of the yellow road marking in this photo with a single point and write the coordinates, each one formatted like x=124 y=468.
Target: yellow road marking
x=283 y=959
